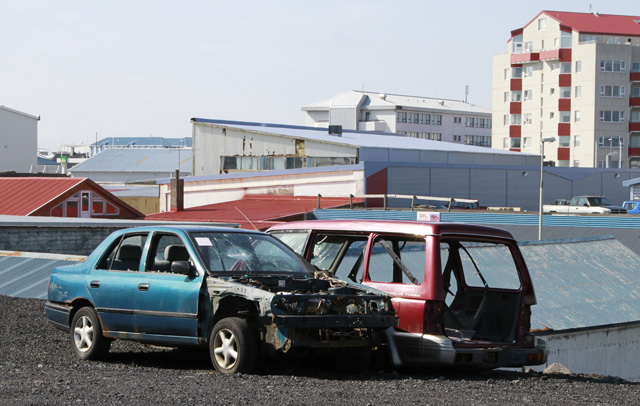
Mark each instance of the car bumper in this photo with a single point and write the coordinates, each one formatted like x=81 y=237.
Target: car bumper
x=58 y=315
x=415 y=350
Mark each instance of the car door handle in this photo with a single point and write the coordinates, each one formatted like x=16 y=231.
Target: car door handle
x=143 y=287
x=94 y=284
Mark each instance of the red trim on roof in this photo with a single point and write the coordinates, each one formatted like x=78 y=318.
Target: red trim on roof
x=593 y=23
x=254 y=211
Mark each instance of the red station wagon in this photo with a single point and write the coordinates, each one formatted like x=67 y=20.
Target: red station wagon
x=462 y=292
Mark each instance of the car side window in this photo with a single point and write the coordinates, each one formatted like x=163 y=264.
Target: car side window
x=165 y=249
x=125 y=253
x=294 y=239
x=340 y=255
x=397 y=260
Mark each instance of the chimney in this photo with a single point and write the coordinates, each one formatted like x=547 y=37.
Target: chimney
x=335 y=130
x=177 y=193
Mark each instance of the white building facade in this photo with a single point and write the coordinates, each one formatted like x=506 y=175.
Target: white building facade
x=574 y=77
x=18 y=140
x=417 y=117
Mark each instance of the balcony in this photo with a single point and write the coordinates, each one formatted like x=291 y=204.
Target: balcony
x=563 y=55
x=564 y=79
x=515 y=108
x=634 y=102
x=634 y=77
x=564 y=104
x=634 y=127
x=564 y=128
x=525 y=58
x=634 y=152
x=563 y=154
x=516 y=84
x=515 y=131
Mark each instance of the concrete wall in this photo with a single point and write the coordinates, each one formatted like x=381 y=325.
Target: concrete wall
x=613 y=351
x=18 y=140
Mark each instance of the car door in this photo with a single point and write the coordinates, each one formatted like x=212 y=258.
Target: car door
x=113 y=282
x=167 y=302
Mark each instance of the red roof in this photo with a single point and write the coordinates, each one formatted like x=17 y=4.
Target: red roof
x=254 y=211
x=597 y=23
x=22 y=196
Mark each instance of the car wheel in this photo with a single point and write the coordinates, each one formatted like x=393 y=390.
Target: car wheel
x=86 y=335
x=232 y=346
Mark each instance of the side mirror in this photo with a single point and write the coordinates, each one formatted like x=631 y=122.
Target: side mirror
x=181 y=267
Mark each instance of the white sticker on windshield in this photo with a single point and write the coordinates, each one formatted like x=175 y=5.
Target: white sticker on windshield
x=204 y=242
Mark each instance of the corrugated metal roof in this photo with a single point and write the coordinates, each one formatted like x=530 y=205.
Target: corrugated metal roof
x=27 y=274
x=583 y=283
x=253 y=211
x=358 y=139
x=150 y=160
x=21 y=196
x=145 y=141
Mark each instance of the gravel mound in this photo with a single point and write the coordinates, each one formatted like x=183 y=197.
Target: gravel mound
x=37 y=366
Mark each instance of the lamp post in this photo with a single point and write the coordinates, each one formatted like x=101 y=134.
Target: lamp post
x=542 y=141
x=96 y=146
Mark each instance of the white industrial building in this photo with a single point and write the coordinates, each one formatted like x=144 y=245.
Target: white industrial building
x=418 y=117
x=18 y=140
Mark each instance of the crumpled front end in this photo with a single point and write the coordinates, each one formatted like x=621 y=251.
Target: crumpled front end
x=329 y=321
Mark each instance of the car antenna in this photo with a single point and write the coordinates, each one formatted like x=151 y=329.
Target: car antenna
x=252 y=225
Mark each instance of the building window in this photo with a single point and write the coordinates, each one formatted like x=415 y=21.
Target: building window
x=552 y=91
x=576 y=163
x=613 y=40
x=565 y=67
x=565 y=92
x=578 y=90
x=436 y=119
x=576 y=140
x=542 y=24
x=635 y=116
x=609 y=116
x=516 y=96
x=613 y=66
x=516 y=72
x=610 y=141
x=634 y=141
x=635 y=67
x=506 y=143
x=526 y=142
x=565 y=116
x=515 y=142
x=506 y=120
x=564 y=141
x=552 y=115
x=527 y=118
x=528 y=95
x=528 y=46
x=457 y=120
x=516 y=119
x=578 y=66
x=506 y=97
x=612 y=91
x=554 y=66
x=489 y=123
x=577 y=116
x=528 y=71
x=401 y=118
x=507 y=73
x=635 y=92
x=565 y=40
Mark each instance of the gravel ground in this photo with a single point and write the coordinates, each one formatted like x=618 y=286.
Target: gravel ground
x=37 y=367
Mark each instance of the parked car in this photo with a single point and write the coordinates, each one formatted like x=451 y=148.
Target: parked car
x=584 y=205
x=632 y=207
x=463 y=292
x=237 y=292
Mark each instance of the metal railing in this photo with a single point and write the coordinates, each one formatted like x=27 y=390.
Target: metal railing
x=413 y=198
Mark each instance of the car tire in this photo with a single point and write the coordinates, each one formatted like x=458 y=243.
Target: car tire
x=87 y=340
x=232 y=346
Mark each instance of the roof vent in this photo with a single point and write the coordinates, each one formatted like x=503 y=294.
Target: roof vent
x=636 y=21
x=595 y=13
x=335 y=130
x=382 y=96
x=442 y=102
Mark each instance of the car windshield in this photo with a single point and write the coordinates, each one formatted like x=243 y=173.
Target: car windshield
x=599 y=201
x=247 y=253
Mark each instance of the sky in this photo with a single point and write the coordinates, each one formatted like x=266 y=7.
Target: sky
x=139 y=68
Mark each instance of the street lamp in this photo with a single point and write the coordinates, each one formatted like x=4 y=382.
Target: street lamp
x=542 y=141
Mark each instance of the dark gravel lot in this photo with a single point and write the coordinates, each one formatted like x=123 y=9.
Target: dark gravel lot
x=37 y=367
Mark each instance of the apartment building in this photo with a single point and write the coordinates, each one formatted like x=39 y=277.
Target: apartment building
x=574 y=77
x=417 y=117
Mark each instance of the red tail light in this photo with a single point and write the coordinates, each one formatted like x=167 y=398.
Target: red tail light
x=433 y=322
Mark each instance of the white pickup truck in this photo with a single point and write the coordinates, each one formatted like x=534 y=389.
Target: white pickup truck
x=584 y=205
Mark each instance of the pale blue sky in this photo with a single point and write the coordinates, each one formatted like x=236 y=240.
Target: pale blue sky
x=145 y=67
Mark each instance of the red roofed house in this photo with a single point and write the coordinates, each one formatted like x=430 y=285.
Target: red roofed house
x=60 y=197
x=574 y=77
